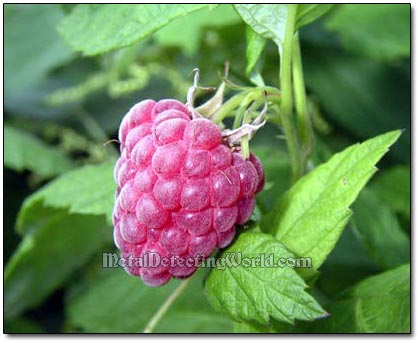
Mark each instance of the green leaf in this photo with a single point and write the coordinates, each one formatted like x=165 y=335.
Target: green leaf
x=310 y=217
x=195 y=22
x=381 y=233
x=47 y=256
x=378 y=304
x=32 y=46
x=392 y=186
x=87 y=190
x=360 y=26
x=95 y=29
x=255 y=46
x=120 y=303
x=269 y=21
x=310 y=12
x=257 y=294
x=23 y=151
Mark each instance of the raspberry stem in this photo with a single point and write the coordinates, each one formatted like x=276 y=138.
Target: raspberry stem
x=244 y=99
x=303 y=117
x=245 y=138
x=286 y=112
x=165 y=306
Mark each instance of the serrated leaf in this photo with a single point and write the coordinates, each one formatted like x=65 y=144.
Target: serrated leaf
x=95 y=29
x=361 y=29
x=310 y=217
x=381 y=233
x=47 y=256
x=23 y=151
x=378 y=304
x=258 y=294
x=32 y=46
x=87 y=190
x=393 y=188
x=120 y=303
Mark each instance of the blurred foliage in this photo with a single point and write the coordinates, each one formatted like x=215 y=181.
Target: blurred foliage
x=134 y=304
x=382 y=234
x=362 y=31
x=24 y=151
x=71 y=72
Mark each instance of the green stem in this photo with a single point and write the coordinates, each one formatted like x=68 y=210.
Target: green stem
x=244 y=99
x=285 y=78
x=245 y=139
x=238 y=119
x=166 y=305
x=305 y=129
x=229 y=106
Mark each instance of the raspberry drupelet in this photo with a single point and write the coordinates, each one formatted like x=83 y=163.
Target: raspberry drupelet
x=181 y=188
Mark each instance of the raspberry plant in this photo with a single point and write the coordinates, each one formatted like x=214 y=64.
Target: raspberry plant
x=267 y=167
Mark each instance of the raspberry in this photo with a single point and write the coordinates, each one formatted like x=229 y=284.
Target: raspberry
x=181 y=189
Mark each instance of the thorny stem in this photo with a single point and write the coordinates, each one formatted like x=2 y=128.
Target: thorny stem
x=165 y=306
x=286 y=112
x=305 y=130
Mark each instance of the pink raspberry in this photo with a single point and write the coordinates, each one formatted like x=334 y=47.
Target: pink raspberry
x=181 y=189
